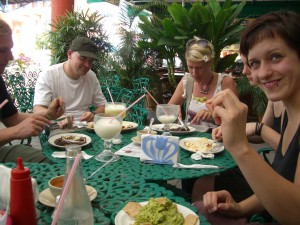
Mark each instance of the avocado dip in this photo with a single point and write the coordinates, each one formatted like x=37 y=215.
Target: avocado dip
x=156 y=213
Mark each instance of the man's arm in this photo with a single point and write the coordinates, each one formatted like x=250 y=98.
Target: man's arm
x=21 y=126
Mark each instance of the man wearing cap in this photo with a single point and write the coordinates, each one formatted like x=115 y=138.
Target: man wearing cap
x=74 y=81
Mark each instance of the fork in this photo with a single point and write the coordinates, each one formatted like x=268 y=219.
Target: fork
x=150 y=125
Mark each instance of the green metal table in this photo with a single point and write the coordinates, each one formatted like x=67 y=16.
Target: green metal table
x=127 y=179
x=114 y=190
x=149 y=172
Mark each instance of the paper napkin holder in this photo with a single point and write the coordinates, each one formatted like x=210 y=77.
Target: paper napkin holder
x=159 y=149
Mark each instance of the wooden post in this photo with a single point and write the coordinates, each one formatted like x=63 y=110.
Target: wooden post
x=60 y=7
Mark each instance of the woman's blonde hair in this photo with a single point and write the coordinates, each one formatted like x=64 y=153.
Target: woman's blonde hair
x=198 y=49
x=4 y=28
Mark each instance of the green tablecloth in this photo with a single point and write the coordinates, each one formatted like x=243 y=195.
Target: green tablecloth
x=133 y=166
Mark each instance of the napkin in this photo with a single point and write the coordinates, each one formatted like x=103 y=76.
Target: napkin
x=62 y=154
x=195 y=166
x=159 y=149
x=131 y=150
x=200 y=155
x=5 y=187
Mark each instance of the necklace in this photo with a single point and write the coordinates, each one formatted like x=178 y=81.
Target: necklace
x=206 y=89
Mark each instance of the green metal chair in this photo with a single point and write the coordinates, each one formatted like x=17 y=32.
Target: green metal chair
x=24 y=97
x=139 y=83
x=125 y=96
x=112 y=81
x=137 y=114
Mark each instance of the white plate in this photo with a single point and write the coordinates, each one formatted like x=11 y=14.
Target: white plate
x=48 y=199
x=136 y=140
x=216 y=149
x=159 y=128
x=131 y=124
x=122 y=218
x=54 y=137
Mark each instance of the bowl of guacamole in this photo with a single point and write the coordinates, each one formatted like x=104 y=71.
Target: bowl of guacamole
x=159 y=212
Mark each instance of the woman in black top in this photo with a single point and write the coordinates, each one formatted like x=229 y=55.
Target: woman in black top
x=272 y=46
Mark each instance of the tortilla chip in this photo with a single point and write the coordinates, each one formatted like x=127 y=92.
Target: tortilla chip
x=132 y=209
x=190 y=219
x=161 y=200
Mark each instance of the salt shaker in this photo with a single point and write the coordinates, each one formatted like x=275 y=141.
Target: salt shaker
x=77 y=208
x=22 y=208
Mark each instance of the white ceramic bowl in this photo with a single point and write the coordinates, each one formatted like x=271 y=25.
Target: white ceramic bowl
x=55 y=185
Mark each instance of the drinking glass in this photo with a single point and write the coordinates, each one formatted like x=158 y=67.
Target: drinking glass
x=116 y=108
x=107 y=127
x=167 y=114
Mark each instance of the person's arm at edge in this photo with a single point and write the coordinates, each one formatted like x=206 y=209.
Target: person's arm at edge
x=262 y=178
x=177 y=98
x=228 y=83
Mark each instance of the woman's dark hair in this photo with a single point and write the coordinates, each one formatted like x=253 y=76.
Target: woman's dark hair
x=283 y=24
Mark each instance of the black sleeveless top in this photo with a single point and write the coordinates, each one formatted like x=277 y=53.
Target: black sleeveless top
x=277 y=123
x=286 y=165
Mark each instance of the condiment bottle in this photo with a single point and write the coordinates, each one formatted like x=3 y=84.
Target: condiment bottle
x=77 y=208
x=22 y=207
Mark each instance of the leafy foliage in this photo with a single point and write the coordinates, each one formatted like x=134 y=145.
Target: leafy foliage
x=215 y=22
x=73 y=25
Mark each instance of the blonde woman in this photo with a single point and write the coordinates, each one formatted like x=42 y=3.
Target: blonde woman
x=205 y=82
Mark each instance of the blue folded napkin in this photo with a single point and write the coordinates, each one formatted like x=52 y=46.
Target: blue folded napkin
x=159 y=149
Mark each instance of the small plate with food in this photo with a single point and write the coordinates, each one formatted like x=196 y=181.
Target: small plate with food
x=175 y=129
x=127 y=125
x=201 y=144
x=145 y=212
x=62 y=140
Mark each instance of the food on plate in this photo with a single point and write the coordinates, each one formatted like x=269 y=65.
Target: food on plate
x=191 y=219
x=70 y=139
x=90 y=125
x=179 y=128
x=132 y=209
x=200 y=144
x=158 y=211
x=126 y=125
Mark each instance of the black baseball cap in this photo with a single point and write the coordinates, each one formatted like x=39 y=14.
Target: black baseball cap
x=85 y=47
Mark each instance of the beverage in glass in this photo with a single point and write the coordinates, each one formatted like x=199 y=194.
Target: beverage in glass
x=107 y=127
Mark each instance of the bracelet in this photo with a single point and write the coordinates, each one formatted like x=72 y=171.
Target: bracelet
x=258 y=128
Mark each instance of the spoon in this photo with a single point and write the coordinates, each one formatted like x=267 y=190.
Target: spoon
x=180 y=121
x=105 y=164
x=150 y=125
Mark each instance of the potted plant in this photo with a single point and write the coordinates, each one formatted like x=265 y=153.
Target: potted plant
x=216 y=23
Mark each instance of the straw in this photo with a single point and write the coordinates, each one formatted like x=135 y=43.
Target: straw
x=136 y=101
x=151 y=96
x=66 y=189
x=110 y=95
x=154 y=99
x=3 y=103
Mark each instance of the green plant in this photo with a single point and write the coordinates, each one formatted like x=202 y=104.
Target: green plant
x=252 y=96
x=71 y=26
x=215 y=22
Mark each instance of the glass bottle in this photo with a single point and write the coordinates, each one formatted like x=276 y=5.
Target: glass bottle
x=77 y=208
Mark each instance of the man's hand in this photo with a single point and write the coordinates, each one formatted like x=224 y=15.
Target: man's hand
x=31 y=126
x=56 y=109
